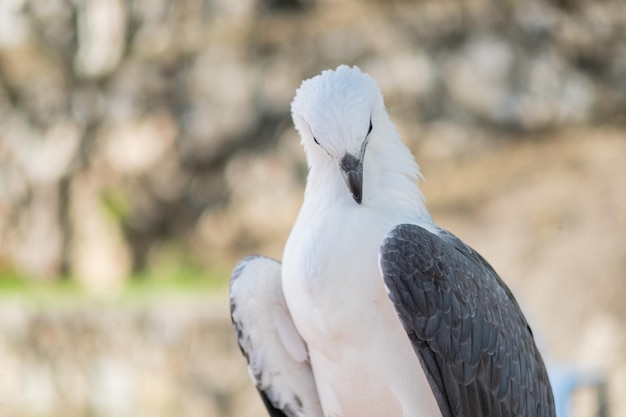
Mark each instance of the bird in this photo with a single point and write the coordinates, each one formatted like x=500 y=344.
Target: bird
x=375 y=310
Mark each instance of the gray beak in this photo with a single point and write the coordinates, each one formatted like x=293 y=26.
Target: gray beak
x=352 y=170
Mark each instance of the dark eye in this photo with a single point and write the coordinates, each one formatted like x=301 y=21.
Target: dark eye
x=370 y=129
x=315 y=140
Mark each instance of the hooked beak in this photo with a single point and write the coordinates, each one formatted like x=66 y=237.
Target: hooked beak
x=352 y=170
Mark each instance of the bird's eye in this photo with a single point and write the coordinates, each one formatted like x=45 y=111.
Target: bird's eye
x=370 y=129
x=315 y=140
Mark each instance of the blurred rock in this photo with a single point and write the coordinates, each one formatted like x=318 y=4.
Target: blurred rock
x=113 y=387
x=100 y=257
x=410 y=74
x=35 y=80
x=36 y=236
x=479 y=77
x=101 y=33
x=221 y=89
x=134 y=148
x=38 y=393
x=46 y=157
x=79 y=361
x=14 y=28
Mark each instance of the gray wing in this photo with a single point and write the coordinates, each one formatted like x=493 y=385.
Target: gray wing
x=473 y=342
x=276 y=354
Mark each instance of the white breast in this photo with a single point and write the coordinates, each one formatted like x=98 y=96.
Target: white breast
x=362 y=359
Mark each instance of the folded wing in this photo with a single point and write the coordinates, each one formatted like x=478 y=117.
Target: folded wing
x=276 y=354
x=468 y=331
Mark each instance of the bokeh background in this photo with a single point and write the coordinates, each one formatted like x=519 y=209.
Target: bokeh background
x=146 y=145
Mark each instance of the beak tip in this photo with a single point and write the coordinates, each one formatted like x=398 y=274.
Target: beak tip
x=355 y=183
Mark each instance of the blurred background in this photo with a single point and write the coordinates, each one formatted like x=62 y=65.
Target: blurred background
x=146 y=145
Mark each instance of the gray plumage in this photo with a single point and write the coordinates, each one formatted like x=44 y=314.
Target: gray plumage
x=468 y=331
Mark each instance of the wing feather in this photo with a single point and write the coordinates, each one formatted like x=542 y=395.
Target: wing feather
x=276 y=354
x=468 y=331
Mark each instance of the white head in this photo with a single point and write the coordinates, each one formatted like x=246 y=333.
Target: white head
x=340 y=115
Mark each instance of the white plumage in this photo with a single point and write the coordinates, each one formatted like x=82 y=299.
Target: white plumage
x=361 y=357
x=273 y=343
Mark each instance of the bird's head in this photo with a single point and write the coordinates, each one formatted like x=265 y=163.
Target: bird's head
x=337 y=113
